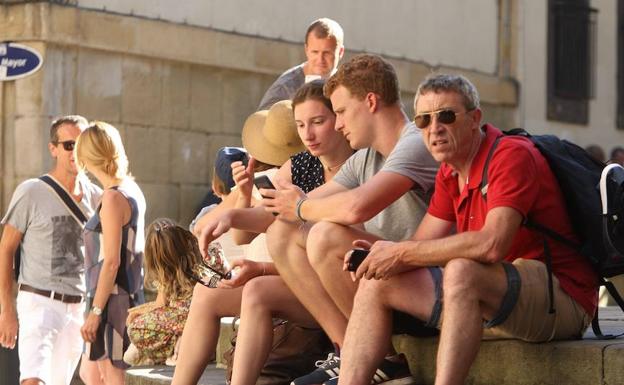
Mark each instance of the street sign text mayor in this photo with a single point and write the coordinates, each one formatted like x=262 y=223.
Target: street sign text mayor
x=18 y=61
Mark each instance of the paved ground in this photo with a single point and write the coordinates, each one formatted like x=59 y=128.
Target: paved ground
x=162 y=375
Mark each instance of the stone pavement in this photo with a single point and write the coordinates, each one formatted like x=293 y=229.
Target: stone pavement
x=584 y=362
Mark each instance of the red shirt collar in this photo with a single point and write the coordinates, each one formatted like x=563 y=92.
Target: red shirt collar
x=476 y=169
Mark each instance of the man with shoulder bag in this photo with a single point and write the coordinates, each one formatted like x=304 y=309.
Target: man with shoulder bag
x=44 y=220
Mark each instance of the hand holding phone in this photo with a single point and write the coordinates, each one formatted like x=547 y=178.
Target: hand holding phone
x=356 y=259
x=263 y=181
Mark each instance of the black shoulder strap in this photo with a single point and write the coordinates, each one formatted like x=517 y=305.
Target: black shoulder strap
x=595 y=322
x=483 y=187
x=65 y=199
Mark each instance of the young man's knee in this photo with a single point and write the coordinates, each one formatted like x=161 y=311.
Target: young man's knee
x=325 y=241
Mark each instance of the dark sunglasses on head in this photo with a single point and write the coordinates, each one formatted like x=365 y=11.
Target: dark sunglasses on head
x=445 y=116
x=68 y=145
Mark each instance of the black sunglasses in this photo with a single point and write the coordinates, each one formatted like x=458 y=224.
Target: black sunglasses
x=68 y=145
x=445 y=116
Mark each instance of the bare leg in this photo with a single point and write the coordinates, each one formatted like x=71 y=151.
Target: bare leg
x=472 y=291
x=201 y=331
x=112 y=374
x=89 y=372
x=368 y=334
x=263 y=299
x=287 y=247
x=327 y=244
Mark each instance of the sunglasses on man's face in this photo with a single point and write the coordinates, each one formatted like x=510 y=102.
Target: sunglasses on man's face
x=68 y=145
x=445 y=116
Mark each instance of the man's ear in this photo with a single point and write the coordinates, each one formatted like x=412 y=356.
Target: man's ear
x=53 y=150
x=341 y=52
x=372 y=101
x=477 y=114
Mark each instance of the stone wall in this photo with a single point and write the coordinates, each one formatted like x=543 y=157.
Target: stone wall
x=177 y=93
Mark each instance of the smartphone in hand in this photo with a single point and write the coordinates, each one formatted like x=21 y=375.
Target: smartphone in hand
x=263 y=181
x=356 y=259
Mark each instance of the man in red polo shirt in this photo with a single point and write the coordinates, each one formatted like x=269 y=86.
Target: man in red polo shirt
x=493 y=281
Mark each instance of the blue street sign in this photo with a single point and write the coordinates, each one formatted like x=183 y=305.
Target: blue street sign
x=17 y=61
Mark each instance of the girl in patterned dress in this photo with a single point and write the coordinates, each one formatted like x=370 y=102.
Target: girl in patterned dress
x=114 y=243
x=154 y=328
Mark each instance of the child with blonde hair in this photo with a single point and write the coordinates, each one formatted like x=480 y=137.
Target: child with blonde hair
x=171 y=252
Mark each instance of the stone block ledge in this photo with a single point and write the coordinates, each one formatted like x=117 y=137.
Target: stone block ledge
x=507 y=362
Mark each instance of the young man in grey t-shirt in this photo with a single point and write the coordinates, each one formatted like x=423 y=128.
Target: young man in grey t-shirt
x=385 y=186
x=50 y=301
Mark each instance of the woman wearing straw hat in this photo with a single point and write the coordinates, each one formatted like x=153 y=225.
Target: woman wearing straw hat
x=326 y=151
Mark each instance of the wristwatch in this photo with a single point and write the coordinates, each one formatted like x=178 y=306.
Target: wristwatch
x=96 y=310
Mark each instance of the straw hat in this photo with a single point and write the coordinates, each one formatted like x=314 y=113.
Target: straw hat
x=271 y=136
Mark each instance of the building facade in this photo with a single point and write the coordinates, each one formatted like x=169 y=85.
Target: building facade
x=179 y=79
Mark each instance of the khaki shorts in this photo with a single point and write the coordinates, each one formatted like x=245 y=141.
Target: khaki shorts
x=529 y=320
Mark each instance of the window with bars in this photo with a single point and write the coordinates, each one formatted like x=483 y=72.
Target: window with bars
x=571 y=55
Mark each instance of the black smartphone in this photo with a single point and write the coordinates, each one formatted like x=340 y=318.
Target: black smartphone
x=263 y=181
x=356 y=259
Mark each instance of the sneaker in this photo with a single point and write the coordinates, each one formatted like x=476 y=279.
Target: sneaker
x=389 y=373
x=326 y=370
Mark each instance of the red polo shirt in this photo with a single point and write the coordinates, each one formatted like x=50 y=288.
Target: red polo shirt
x=520 y=178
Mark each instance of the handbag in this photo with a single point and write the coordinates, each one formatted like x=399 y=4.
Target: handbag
x=294 y=351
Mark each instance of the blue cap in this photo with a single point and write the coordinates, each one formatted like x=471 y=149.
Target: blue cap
x=225 y=157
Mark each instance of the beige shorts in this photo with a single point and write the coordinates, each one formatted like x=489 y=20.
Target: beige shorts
x=530 y=320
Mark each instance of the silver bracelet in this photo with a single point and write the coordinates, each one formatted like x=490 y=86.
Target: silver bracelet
x=298 y=208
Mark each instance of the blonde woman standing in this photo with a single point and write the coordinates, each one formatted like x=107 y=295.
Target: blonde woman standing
x=114 y=243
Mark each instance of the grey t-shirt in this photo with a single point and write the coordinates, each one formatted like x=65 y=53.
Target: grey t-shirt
x=409 y=158
x=283 y=88
x=52 y=248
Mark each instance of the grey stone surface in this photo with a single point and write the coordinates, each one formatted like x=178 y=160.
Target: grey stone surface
x=176 y=95
x=162 y=200
x=587 y=362
x=582 y=362
x=614 y=364
x=141 y=97
x=98 y=97
x=31 y=139
x=189 y=159
x=59 y=80
x=149 y=152
x=206 y=99
x=190 y=198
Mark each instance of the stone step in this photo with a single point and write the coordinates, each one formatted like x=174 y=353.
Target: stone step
x=584 y=362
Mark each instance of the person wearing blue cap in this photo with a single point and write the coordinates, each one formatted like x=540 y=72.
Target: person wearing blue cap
x=259 y=291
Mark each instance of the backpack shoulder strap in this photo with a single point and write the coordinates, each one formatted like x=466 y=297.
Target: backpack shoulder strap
x=483 y=187
x=67 y=201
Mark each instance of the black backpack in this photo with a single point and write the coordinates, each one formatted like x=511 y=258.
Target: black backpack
x=601 y=235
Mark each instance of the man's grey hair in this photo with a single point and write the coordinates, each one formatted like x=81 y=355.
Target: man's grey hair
x=450 y=83
x=77 y=120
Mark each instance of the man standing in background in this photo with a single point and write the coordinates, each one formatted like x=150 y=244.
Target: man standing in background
x=324 y=47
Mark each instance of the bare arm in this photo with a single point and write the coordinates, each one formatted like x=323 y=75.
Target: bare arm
x=344 y=206
x=240 y=232
x=9 y=243
x=115 y=212
x=227 y=203
x=488 y=245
